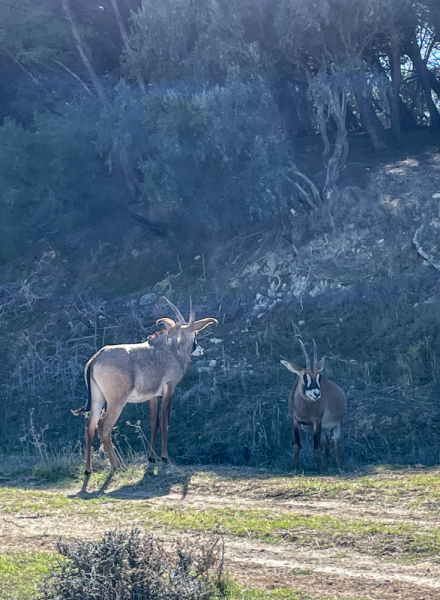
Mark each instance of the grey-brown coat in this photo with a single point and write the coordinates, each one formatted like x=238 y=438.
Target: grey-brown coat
x=319 y=403
x=134 y=373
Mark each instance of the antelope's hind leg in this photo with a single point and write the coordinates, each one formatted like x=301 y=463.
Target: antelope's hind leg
x=154 y=426
x=336 y=437
x=105 y=428
x=326 y=445
x=98 y=401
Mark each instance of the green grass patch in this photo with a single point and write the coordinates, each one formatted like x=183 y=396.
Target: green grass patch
x=314 y=530
x=20 y=573
x=235 y=592
x=391 y=486
x=62 y=475
x=31 y=502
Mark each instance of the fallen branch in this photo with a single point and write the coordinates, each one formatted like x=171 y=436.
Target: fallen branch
x=12 y=522
x=425 y=255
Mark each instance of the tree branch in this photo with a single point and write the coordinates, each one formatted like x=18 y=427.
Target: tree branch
x=74 y=75
x=82 y=50
x=420 y=250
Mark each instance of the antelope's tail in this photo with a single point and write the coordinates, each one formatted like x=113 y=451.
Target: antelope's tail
x=84 y=409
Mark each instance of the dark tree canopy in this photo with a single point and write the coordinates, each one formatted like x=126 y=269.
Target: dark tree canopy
x=202 y=106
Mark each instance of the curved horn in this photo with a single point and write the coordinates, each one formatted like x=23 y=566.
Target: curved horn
x=177 y=312
x=167 y=322
x=315 y=355
x=305 y=354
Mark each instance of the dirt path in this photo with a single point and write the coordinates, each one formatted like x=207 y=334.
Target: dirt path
x=336 y=572
x=326 y=572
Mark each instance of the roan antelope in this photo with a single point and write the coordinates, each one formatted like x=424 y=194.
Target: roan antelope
x=125 y=373
x=318 y=402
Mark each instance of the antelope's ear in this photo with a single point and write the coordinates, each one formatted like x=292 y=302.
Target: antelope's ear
x=321 y=364
x=291 y=366
x=202 y=323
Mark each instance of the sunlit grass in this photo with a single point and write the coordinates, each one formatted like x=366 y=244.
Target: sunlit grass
x=383 y=485
x=266 y=525
x=308 y=530
x=20 y=573
x=236 y=592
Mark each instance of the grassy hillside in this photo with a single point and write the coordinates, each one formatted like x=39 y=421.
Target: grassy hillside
x=348 y=275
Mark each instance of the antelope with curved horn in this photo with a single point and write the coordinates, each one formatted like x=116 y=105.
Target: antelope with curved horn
x=318 y=402
x=141 y=372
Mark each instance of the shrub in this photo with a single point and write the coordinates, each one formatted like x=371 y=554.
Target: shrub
x=215 y=156
x=128 y=565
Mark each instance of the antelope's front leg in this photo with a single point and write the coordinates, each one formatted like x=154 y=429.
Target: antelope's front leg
x=317 y=443
x=296 y=443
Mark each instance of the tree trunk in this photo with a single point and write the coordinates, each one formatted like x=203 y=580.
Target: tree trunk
x=434 y=82
x=413 y=51
x=83 y=51
x=408 y=122
x=370 y=120
x=334 y=161
x=396 y=79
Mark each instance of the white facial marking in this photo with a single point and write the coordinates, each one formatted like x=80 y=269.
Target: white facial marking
x=198 y=351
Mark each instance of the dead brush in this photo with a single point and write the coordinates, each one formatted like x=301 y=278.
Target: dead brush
x=128 y=565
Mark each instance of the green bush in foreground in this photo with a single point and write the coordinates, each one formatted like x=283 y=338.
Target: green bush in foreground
x=127 y=565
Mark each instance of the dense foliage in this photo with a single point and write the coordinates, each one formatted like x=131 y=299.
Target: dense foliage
x=195 y=106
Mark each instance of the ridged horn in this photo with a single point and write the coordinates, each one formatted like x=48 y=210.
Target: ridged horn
x=315 y=355
x=192 y=314
x=177 y=312
x=307 y=357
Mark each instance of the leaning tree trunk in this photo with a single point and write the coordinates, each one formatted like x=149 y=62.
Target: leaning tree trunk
x=370 y=120
x=434 y=82
x=334 y=161
x=396 y=80
x=413 y=51
x=83 y=50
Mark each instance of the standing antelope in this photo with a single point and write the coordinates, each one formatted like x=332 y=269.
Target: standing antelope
x=317 y=402
x=125 y=373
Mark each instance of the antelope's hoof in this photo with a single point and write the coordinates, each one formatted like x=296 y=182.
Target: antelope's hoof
x=151 y=459
x=87 y=473
x=164 y=460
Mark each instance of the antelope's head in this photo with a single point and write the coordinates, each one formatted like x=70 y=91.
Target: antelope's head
x=183 y=332
x=310 y=377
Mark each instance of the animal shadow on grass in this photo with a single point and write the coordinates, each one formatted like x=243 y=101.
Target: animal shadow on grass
x=156 y=481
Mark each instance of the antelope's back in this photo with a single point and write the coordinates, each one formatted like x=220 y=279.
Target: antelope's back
x=335 y=399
